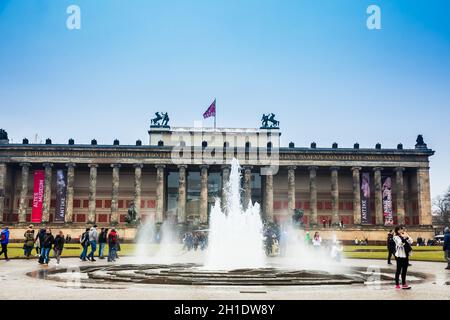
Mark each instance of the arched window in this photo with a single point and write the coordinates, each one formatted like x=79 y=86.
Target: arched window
x=247 y=145
x=269 y=145
x=226 y=144
x=160 y=143
x=182 y=143
x=204 y=144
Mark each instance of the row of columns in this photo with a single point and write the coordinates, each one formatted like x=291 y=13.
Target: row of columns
x=422 y=178
x=423 y=190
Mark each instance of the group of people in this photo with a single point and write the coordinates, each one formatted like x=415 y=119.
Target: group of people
x=335 y=248
x=326 y=223
x=423 y=242
x=44 y=242
x=363 y=242
x=194 y=240
x=91 y=237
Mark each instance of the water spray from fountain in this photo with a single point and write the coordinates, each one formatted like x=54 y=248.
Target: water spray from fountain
x=235 y=235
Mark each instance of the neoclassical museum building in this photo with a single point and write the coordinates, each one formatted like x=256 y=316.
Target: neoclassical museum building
x=180 y=172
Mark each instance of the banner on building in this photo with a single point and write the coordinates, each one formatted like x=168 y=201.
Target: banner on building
x=61 y=192
x=365 y=198
x=38 y=196
x=386 y=190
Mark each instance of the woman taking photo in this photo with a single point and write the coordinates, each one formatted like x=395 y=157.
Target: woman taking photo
x=403 y=248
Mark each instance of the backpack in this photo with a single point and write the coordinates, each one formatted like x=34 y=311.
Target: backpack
x=84 y=239
x=407 y=248
x=113 y=239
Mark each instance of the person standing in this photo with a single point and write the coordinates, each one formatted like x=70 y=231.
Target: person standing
x=403 y=249
x=324 y=222
x=317 y=240
x=84 y=241
x=59 y=246
x=112 y=245
x=39 y=240
x=46 y=246
x=93 y=238
x=4 y=240
x=308 y=238
x=29 y=241
x=390 y=246
x=102 y=239
x=446 y=246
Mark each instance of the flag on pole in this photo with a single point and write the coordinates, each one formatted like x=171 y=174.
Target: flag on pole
x=211 y=111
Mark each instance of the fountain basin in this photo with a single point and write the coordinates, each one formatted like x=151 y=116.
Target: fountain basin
x=193 y=274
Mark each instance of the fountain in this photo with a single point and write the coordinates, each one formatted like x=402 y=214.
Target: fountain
x=235 y=234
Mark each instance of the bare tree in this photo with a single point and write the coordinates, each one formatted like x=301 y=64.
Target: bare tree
x=441 y=205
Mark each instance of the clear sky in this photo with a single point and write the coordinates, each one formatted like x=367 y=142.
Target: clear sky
x=313 y=63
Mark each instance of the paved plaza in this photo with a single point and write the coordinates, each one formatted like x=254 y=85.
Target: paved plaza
x=16 y=284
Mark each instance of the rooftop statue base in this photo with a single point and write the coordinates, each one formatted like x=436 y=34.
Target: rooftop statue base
x=159 y=127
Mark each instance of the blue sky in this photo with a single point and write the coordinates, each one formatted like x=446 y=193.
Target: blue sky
x=314 y=63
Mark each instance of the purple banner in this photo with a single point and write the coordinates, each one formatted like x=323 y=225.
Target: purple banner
x=386 y=190
x=365 y=198
x=61 y=190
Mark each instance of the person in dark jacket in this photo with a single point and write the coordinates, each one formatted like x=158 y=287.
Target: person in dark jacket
x=29 y=241
x=446 y=246
x=102 y=240
x=4 y=240
x=46 y=246
x=59 y=246
x=39 y=240
x=390 y=246
x=84 y=240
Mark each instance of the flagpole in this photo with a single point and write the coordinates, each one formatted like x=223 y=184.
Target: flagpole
x=215 y=113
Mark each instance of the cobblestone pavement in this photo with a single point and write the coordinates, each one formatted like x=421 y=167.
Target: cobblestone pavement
x=16 y=284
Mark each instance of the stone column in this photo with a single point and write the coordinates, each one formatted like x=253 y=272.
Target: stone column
x=291 y=188
x=115 y=193
x=400 y=195
x=313 y=195
x=137 y=189
x=378 y=197
x=2 y=189
x=407 y=193
x=423 y=196
x=92 y=191
x=47 y=193
x=247 y=186
x=182 y=193
x=356 y=195
x=23 y=192
x=69 y=200
x=225 y=179
x=160 y=193
x=268 y=196
x=334 y=196
x=203 y=193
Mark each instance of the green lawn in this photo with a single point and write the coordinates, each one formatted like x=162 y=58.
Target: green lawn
x=434 y=253
x=15 y=250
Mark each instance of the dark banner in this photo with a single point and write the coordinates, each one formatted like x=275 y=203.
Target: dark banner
x=386 y=190
x=365 y=198
x=61 y=191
